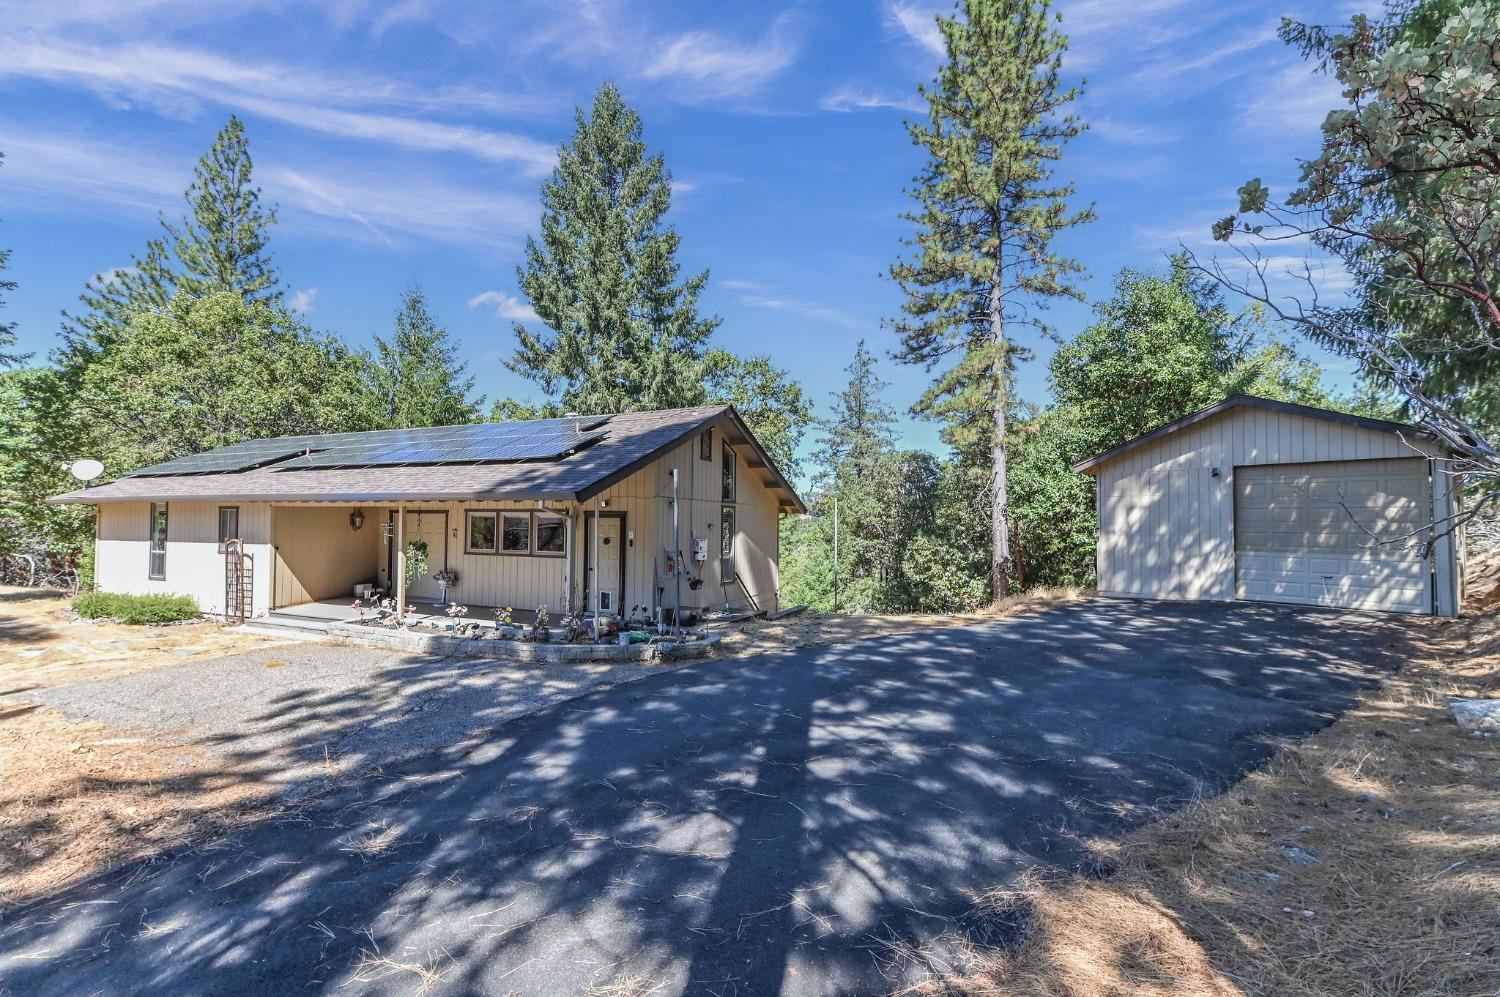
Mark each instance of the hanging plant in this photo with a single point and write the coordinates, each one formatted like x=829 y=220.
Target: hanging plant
x=416 y=561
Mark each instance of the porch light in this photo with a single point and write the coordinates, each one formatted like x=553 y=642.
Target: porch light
x=356 y=520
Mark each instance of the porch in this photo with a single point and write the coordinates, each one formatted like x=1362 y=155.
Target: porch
x=320 y=615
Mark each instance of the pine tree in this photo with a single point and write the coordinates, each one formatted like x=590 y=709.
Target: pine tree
x=862 y=427
x=7 y=329
x=623 y=334
x=220 y=245
x=416 y=376
x=988 y=210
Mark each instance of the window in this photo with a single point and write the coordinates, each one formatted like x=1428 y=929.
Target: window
x=706 y=445
x=481 y=533
x=515 y=534
x=728 y=475
x=551 y=534
x=157 y=566
x=229 y=524
x=726 y=542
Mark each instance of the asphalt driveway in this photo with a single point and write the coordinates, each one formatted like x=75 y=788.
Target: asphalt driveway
x=301 y=714
x=750 y=826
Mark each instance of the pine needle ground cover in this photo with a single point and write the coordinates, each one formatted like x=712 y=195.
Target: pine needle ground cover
x=1364 y=860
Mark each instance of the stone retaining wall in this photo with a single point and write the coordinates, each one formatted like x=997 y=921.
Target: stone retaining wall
x=518 y=650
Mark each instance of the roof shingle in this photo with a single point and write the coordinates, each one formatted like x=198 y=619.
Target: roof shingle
x=631 y=440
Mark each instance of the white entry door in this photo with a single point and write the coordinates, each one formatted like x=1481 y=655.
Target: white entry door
x=610 y=559
x=1310 y=533
x=431 y=527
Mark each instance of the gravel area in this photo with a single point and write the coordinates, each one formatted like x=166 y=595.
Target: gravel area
x=305 y=713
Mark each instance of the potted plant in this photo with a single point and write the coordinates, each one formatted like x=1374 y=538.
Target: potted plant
x=503 y=626
x=445 y=579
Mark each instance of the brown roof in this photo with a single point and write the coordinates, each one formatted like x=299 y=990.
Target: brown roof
x=633 y=440
x=1250 y=401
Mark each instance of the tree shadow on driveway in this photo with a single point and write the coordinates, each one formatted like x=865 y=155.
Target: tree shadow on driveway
x=757 y=825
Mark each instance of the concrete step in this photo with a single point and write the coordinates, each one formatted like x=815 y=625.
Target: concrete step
x=299 y=624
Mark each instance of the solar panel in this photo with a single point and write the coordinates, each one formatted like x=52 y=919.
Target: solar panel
x=491 y=442
x=504 y=449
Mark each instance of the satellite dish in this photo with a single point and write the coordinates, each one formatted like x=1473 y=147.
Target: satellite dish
x=86 y=470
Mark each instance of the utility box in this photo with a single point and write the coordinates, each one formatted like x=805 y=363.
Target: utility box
x=700 y=548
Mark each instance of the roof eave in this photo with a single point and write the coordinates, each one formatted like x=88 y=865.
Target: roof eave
x=1092 y=464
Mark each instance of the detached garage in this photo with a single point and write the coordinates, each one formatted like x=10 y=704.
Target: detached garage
x=1271 y=502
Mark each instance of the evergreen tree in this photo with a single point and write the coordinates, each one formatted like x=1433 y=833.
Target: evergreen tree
x=220 y=245
x=7 y=329
x=988 y=210
x=862 y=427
x=416 y=377
x=623 y=334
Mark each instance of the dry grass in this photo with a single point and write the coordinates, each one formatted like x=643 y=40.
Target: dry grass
x=807 y=629
x=1401 y=811
x=41 y=646
x=78 y=797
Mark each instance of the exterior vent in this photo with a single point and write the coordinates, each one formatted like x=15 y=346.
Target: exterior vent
x=706 y=445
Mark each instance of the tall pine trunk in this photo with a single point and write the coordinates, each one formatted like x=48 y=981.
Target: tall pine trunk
x=999 y=519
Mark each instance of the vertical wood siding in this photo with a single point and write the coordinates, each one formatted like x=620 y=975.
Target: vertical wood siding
x=320 y=557
x=195 y=567
x=1166 y=525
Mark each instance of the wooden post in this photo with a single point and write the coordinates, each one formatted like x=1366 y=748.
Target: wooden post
x=400 y=561
x=598 y=504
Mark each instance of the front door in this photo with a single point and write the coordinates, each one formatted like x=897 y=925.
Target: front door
x=611 y=563
x=431 y=527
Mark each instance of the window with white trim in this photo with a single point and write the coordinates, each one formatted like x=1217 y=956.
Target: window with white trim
x=157 y=562
x=229 y=524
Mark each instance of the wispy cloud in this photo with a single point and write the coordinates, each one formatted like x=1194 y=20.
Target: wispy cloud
x=853 y=98
x=1127 y=132
x=302 y=301
x=507 y=306
x=717 y=66
x=179 y=82
x=1293 y=102
x=756 y=295
x=918 y=21
x=67 y=170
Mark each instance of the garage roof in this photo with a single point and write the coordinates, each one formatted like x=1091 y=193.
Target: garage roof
x=617 y=447
x=1249 y=401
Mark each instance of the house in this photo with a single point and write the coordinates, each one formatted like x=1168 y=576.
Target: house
x=1267 y=501
x=660 y=503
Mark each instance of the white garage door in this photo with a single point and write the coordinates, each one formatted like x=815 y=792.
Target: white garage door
x=1302 y=534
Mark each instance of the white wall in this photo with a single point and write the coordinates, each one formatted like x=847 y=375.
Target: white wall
x=194 y=565
x=1166 y=524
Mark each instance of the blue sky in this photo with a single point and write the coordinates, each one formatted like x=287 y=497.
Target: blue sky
x=404 y=142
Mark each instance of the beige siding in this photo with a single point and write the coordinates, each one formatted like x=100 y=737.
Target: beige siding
x=319 y=556
x=1167 y=524
x=194 y=564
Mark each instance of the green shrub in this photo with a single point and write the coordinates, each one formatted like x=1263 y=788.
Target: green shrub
x=136 y=609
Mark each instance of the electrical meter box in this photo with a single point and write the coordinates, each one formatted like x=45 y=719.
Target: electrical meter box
x=700 y=548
